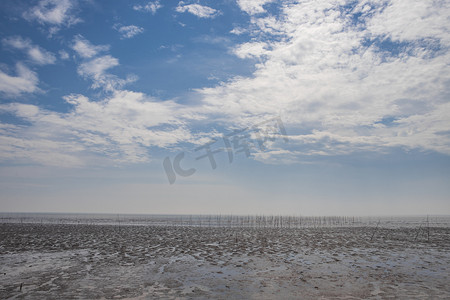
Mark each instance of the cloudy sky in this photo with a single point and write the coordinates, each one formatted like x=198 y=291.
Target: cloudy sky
x=236 y=106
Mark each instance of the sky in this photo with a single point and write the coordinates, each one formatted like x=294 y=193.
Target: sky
x=330 y=107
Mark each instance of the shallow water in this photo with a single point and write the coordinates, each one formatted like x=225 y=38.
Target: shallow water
x=257 y=221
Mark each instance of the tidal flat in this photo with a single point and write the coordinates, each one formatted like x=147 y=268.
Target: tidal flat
x=126 y=261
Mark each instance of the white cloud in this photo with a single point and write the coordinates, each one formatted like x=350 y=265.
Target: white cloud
x=253 y=7
x=198 y=10
x=97 y=67
x=35 y=53
x=129 y=31
x=63 y=54
x=120 y=128
x=251 y=49
x=41 y=57
x=26 y=81
x=151 y=7
x=55 y=13
x=238 y=30
x=95 y=70
x=85 y=49
x=337 y=90
x=324 y=78
x=428 y=18
x=38 y=150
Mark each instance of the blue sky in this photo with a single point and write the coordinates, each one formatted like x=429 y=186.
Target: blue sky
x=96 y=95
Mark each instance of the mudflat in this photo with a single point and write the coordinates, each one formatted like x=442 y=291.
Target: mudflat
x=68 y=261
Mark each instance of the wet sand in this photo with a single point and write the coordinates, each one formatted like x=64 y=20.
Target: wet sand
x=80 y=261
